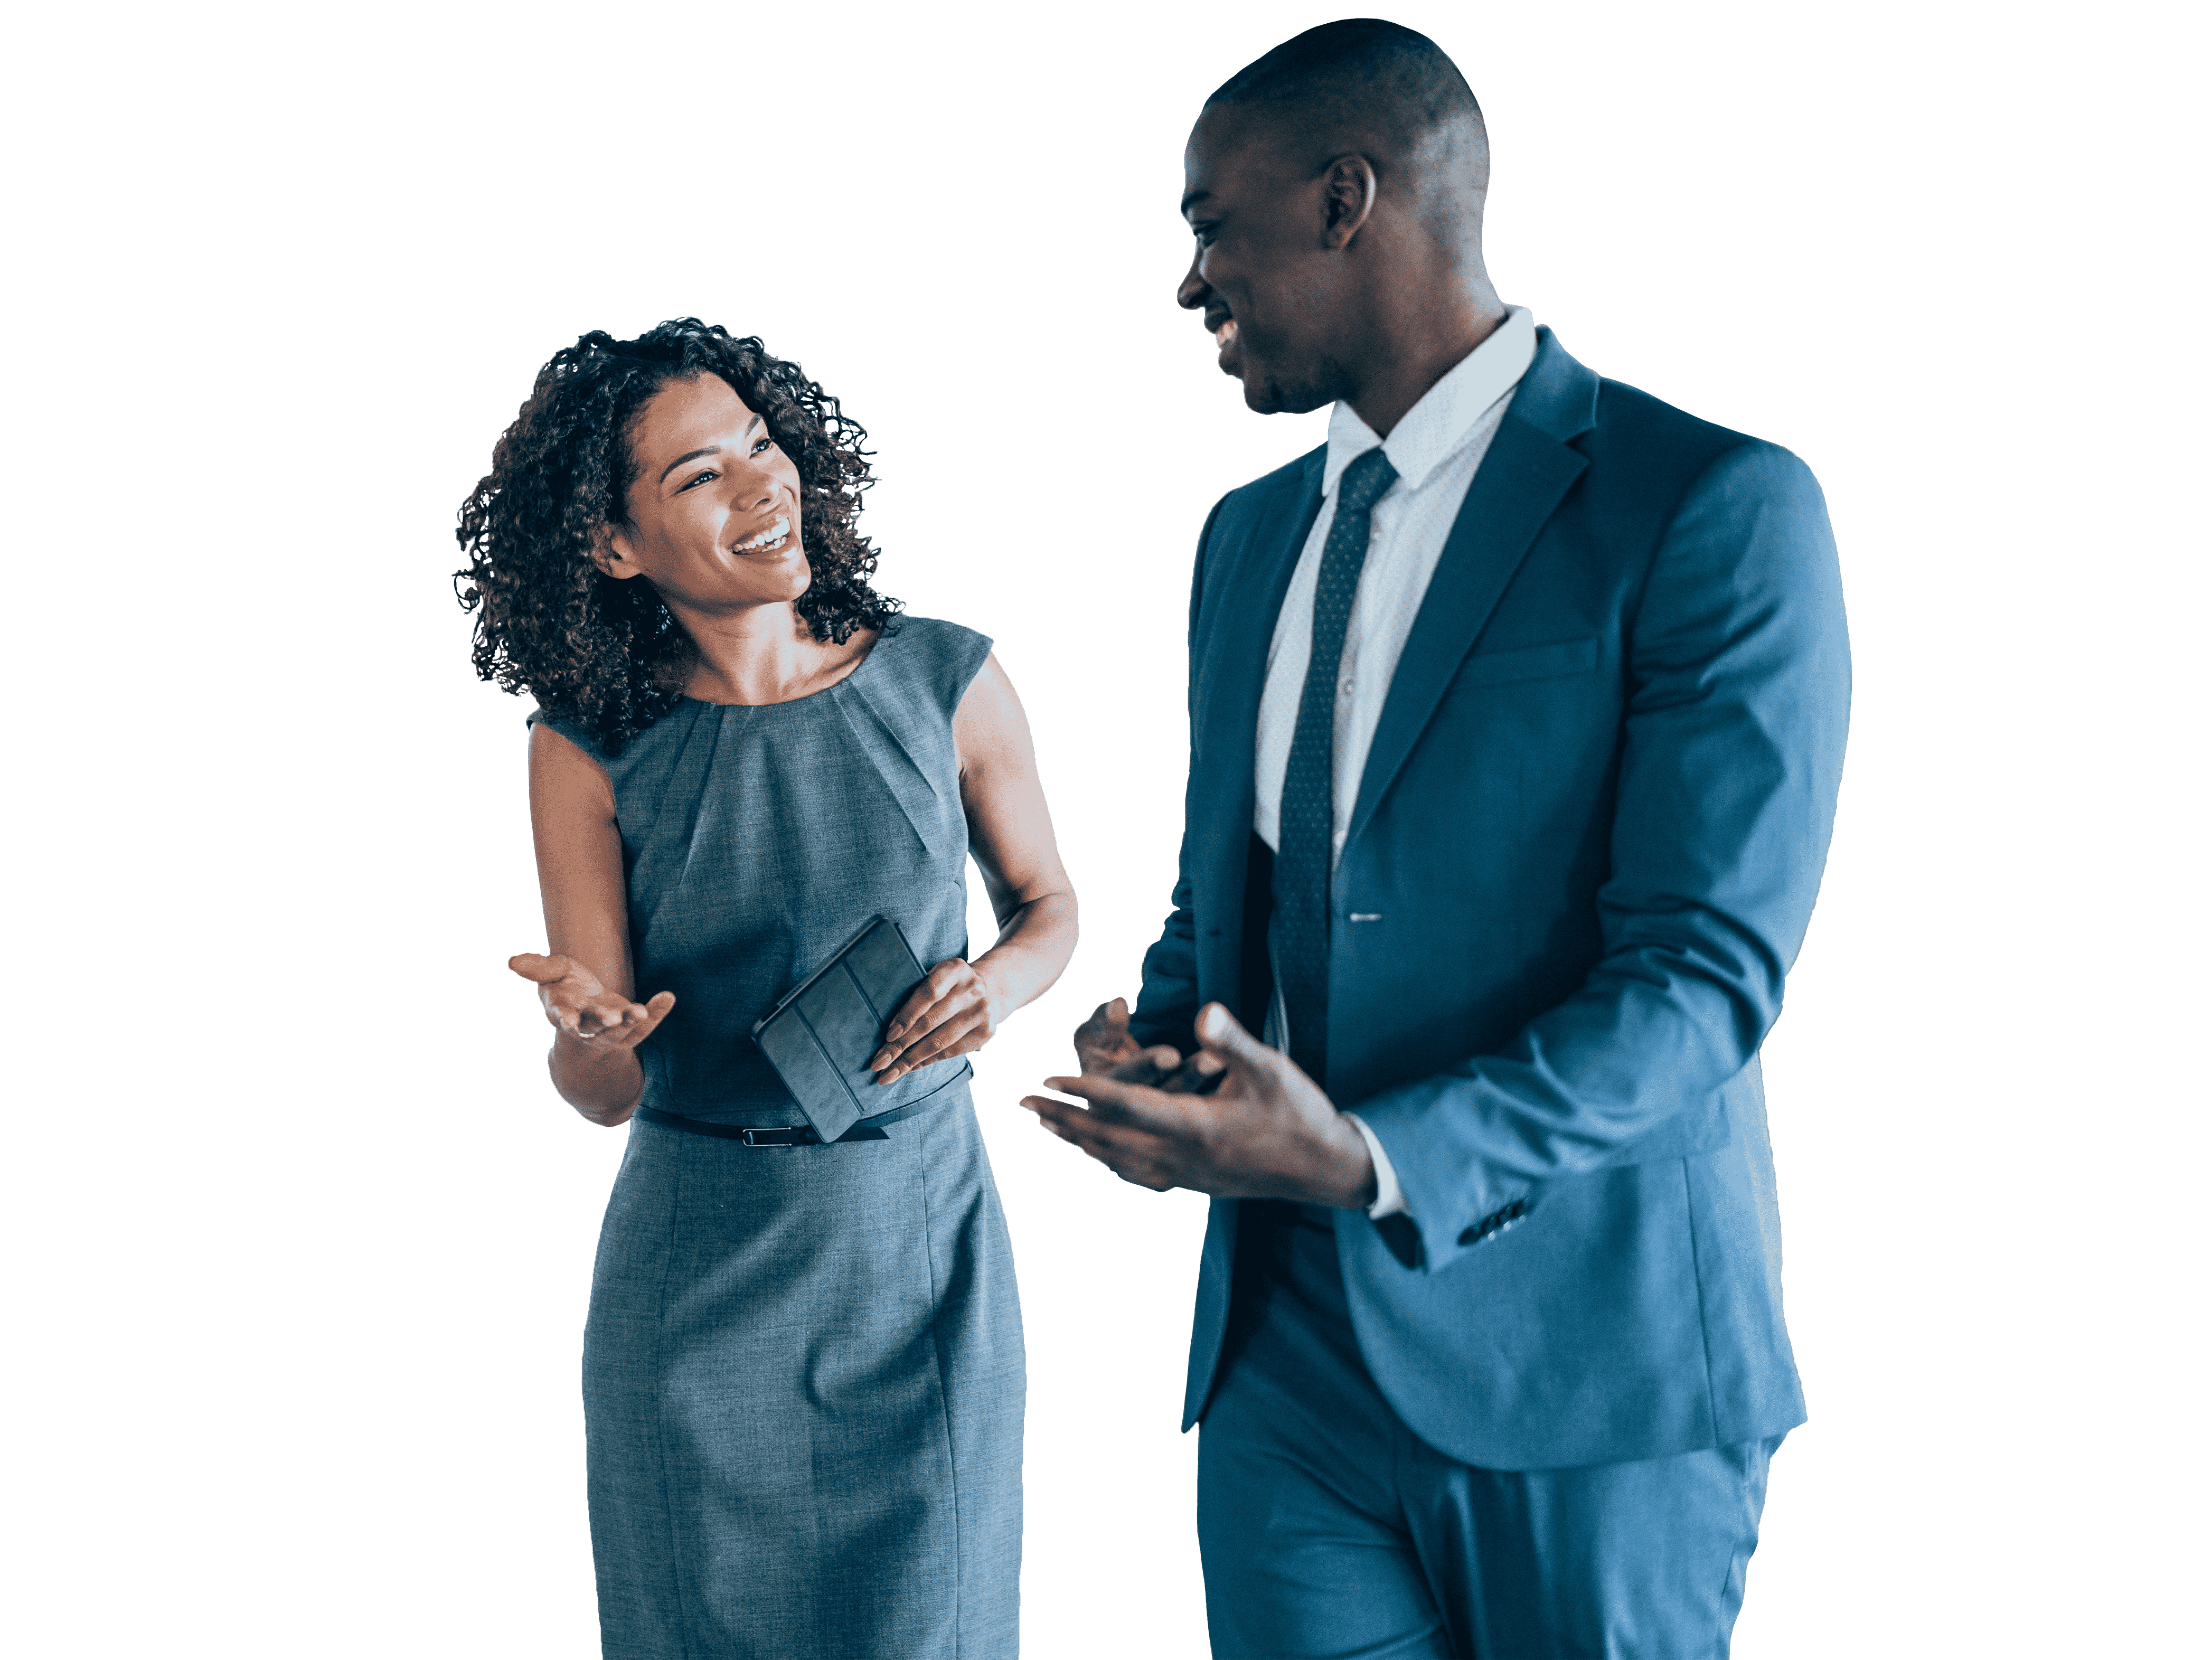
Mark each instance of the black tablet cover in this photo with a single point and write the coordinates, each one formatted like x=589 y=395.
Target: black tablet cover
x=820 y=1037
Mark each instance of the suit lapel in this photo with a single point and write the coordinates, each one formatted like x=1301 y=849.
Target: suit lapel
x=1237 y=623
x=1521 y=481
x=1241 y=595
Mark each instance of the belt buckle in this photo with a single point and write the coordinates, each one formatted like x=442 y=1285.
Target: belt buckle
x=782 y=1135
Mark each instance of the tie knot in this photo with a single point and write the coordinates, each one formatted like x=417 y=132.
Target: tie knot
x=1364 y=481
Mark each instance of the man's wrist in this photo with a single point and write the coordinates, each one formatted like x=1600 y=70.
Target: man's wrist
x=1357 y=1190
x=1385 y=1197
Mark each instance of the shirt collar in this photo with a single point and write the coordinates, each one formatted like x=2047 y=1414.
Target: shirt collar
x=1436 y=426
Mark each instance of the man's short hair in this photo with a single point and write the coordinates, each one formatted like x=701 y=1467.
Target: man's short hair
x=1358 y=73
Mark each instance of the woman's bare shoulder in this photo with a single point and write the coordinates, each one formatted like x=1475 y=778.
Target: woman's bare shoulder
x=565 y=775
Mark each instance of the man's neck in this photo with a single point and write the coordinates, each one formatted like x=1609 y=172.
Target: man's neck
x=1410 y=364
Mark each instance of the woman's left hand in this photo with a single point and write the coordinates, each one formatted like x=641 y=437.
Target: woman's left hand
x=952 y=1012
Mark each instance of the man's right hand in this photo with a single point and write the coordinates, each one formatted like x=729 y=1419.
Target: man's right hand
x=1104 y=1047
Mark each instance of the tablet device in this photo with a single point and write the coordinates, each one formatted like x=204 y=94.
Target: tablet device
x=820 y=1035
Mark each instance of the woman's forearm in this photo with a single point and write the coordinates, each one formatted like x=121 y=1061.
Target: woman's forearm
x=1035 y=942
x=602 y=1082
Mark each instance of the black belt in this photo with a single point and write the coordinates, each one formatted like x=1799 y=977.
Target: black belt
x=791 y=1135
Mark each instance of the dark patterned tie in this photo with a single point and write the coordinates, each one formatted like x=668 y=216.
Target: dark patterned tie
x=1307 y=828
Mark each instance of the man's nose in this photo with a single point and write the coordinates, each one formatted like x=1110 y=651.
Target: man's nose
x=1191 y=292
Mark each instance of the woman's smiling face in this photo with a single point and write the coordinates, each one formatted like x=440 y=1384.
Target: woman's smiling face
x=712 y=520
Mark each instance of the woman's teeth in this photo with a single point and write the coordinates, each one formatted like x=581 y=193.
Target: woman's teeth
x=771 y=539
x=1225 y=333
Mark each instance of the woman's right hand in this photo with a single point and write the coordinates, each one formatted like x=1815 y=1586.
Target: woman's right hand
x=581 y=1008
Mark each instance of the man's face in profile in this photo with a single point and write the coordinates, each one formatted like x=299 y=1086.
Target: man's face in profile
x=1267 y=286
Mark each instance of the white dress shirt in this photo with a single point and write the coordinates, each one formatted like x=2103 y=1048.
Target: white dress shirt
x=1436 y=448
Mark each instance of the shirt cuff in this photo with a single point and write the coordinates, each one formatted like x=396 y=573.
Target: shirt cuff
x=1390 y=1197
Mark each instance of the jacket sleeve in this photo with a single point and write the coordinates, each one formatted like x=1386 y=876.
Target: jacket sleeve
x=1168 y=1004
x=1739 y=692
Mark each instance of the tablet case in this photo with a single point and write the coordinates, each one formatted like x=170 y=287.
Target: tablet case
x=820 y=1036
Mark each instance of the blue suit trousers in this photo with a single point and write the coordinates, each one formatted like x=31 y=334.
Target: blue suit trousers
x=1330 y=1530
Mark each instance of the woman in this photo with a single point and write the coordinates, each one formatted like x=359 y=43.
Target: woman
x=803 y=1369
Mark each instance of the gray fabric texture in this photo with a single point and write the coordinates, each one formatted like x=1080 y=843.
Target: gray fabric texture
x=758 y=837
x=803 y=1368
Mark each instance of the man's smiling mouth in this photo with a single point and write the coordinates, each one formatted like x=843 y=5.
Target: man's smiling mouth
x=768 y=540
x=1225 y=332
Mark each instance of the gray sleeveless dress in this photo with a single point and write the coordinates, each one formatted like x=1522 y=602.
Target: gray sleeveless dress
x=803 y=1368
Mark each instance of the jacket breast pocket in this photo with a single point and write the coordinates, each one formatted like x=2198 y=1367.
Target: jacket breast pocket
x=1505 y=668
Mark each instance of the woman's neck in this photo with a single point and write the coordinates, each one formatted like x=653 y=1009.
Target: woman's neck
x=761 y=655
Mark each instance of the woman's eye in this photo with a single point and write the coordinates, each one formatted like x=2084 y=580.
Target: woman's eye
x=697 y=478
x=764 y=444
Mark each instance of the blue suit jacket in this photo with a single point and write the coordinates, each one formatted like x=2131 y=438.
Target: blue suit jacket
x=1589 y=832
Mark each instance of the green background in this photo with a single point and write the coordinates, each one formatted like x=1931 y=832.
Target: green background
x=299 y=1234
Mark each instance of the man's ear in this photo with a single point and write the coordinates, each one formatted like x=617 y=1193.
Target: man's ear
x=1347 y=199
x=611 y=553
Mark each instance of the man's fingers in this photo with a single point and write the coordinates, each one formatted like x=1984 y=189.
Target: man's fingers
x=1108 y=1027
x=1112 y=1013
x=1135 y=1155
x=1151 y=1110
x=1149 y=1067
x=540 y=970
x=1220 y=1032
x=1091 y=1130
x=1195 y=1076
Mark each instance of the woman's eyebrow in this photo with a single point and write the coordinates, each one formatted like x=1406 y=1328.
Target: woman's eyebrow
x=693 y=455
x=711 y=449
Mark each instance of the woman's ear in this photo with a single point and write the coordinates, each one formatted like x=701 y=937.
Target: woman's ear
x=612 y=552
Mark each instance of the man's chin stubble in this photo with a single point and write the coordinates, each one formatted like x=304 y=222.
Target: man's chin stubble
x=1271 y=398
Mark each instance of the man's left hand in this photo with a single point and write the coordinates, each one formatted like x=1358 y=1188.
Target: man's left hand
x=1268 y=1132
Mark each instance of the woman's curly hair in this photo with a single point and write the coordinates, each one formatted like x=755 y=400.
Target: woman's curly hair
x=603 y=653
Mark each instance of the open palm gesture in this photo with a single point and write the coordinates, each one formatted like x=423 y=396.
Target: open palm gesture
x=579 y=1005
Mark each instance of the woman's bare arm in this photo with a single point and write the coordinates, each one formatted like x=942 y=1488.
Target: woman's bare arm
x=584 y=983
x=960 y=1005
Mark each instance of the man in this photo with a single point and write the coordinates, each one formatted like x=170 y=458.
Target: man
x=1517 y=714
